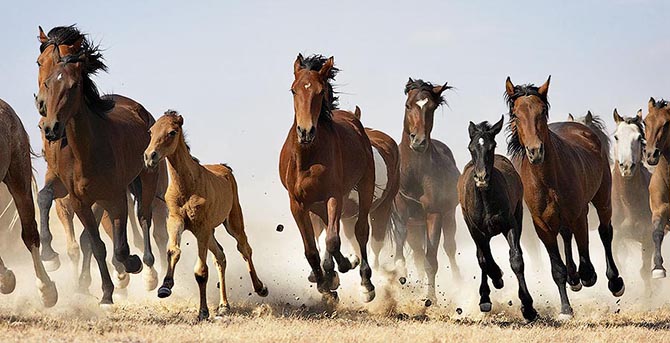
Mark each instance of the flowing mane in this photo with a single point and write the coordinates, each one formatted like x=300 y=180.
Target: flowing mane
x=662 y=103
x=421 y=86
x=90 y=56
x=315 y=62
x=514 y=147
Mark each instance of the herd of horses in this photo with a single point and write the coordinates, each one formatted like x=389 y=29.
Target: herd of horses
x=106 y=154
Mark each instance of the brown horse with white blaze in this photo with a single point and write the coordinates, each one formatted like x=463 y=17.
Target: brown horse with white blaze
x=107 y=136
x=563 y=168
x=326 y=156
x=199 y=198
x=425 y=207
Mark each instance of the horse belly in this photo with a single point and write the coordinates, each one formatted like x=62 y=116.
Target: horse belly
x=381 y=181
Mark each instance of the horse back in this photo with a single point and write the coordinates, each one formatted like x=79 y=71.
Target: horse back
x=354 y=145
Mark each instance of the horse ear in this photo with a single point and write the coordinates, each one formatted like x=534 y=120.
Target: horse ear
x=439 y=89
x=639 y=114
x=472 y=130
x=497 y=127
x=65 y=50
x=589 y=116
x=325 y=70
x=180 y=120
x=617 y=117
x=42 y=37
x=297 y=65
x=509 y=87
x=652 y=103
x=544 y=89
x=357 y=112
x=410 y=81
x=570 y=117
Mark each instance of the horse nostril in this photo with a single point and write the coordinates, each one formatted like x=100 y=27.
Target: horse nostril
x=153 y=155
x=412 y=135
x=56 y=126
x=312 y=131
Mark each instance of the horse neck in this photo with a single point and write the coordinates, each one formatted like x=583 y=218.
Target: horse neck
x=85 y=145
x=184 y=171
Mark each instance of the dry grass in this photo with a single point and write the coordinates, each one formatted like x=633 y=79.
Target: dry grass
x=156 y=322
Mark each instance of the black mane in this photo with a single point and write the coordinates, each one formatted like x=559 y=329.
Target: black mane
x=93 y=62
x=421 y=86
x=315 y=63
x=661 y=103
x=514 y=147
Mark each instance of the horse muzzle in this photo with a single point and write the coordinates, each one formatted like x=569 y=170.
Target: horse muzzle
x=481 y=180
x=535 y=154
x=53 y=132
x=653 y=157
x=418 y=143
x=305 y=136
x=151 y=159
x=627 y=170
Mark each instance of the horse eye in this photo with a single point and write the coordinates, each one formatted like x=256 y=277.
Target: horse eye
x=172 y=133
x=407 y=106
x=292 y=91
x=38 y=63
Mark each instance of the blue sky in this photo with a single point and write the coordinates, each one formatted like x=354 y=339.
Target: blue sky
x=227 y=66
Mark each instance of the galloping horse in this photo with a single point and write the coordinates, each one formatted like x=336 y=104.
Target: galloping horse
x=656 y=125
x=106 y=136
x=630 y=188
x=327 y=156
x=598 y=126
x=200 y=198
x=63 y=41
x=491 y=196
x=16 y=172
x=564 y=169
x=387 y=181
x=425 y=206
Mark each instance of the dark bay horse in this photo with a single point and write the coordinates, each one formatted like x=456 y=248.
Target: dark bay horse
x=425 y=206
x=63 y=41
x=325 y=157
x=657 y=154
x=630 y=189
x=107 y=136
x=563 y=168
x=17 y=173
x=387 y=181
x=491 y=196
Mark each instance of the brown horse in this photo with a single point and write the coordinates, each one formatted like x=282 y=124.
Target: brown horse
x=491 y=196
x=200 y=198
x=596 y=124
x=61 y=41
x=16 y=172
x=387 y=181
x=564 y=169
x=106 y=136
x=425 y=206
x=327 y=156
x=658 y=154
x=630 y=188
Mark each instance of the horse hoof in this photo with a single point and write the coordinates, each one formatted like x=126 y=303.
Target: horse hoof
x=52 y=265
x=617 y=287
x=121 y=280
x=564 y=317
x=590 y=282
x=106 y=307
x=164 y=292
x=7 y=282
x=335 y=282
x=150 y=277
x=498 y=284
x=330 y=298
x=263 y=292
x=354 y=261
x=203 y=314
x=577 y=287
x=368 y=295
x=222 y=309
x=48 y=293
x=658 y=274
x=529 y=315
x=485 y=307
x=134 y=265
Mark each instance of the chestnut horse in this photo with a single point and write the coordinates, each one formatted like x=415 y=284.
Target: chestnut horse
x=656 y=125
x=425 y=206
x=630 y=189
x=563 y=170
x=491 y=196
x=107 y=136
x=596 y=124
x=60 y=41
x=327 y=156
x=16 y=172
x=387 y=180
x=200 y=198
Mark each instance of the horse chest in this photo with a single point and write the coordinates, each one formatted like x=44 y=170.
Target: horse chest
x=309 y=183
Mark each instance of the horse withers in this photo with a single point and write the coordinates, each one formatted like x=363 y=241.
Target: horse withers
x=491 y=196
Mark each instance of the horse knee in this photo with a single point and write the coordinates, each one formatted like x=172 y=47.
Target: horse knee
x=29 y=234
x=121 y=252
x=559 y=273
x=173 y=254
x=201 y=273
x=333 y=244
x=658 y=234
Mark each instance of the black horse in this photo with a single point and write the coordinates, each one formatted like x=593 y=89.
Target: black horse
x=491 y=196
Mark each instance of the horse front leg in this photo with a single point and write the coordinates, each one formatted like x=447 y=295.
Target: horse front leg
x=45 y=199
x=513 y=236
x=303 y=220
x=434 y=231
x=558 y=269
x=573 y=276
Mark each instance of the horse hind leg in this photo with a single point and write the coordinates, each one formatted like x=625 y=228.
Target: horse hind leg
x=573 y=276
x=362 y=230
x=235 y=227
x=160 y=214
x=659 y=221
x=66 y=216
x=603 y=203
x=587 y=273
x=449 y=244
x=380 y=219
